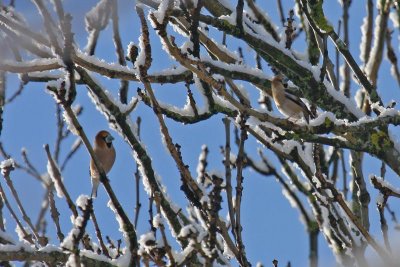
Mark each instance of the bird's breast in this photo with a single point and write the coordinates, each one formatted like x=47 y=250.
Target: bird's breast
x=106 y=157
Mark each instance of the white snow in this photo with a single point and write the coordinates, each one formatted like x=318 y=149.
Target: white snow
x=50 y=248
x=69 y=123
x=5 y=165
x=358 y=97
x=158 y=220
x=316 y=182
x=375 y=46
x=187 y=230
x=364 y=29
x=140 y=60
x=82 y=201
x=21 y=235
x=170 y=71
x=55 y=172
x=384 y=183
x=394 y=17
x=93 y=18
x=291 y=200
x=200 y=165
x=162 y=9
x=34 y=63
x=146 y=241
x=121 y=226
x=72 y=260
x=229 y=18
x=380 y=199
x=7 y=237
x=186 y=111
x=103 y=64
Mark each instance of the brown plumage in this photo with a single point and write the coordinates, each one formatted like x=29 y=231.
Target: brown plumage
x=105 y=152
x=288 y=104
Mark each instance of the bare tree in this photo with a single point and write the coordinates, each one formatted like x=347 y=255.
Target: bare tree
x=310 y=160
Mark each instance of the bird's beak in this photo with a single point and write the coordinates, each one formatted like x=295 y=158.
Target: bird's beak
x=109 y=138
x=285 y=80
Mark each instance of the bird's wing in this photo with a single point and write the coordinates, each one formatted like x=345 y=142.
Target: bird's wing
x=306 y=112
x=298 y=101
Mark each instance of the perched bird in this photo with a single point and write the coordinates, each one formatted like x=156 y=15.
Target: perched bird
x=105 y=152
x=288 y=104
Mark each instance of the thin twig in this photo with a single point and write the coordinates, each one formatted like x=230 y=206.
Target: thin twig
x=361 y=197
x=137 y=179
x=324 y=59
x=18 y=92
x=59 y=9
x=345 y=189
x=99 y=235
x=373 y=65
x=337 y=58
x=55 y=215
x=43 y=210
x=27 y=237
x=281 y=12
x=213 y=214
x=19 y=166
x=367 y=37
x=57 y=176
x=60 y=128
x=124 y=85
x=392 y=213
x=28 y=163
x=239 y=190
x=384 y=226
x=74 y=149
x=2 y=97
x=239 y=14
x=194 y=33
x=228 y=173
x=21 y=208
x=391 y=55
x=49 y=25
x=290 y=28
x=81 y=227
x=346 y=78
x=167 y=247
x=260 y=15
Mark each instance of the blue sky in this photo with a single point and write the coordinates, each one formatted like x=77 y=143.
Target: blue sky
x=271 y=227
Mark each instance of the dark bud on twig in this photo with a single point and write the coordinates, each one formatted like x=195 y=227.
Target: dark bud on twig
x=133 y=52
x=240 y=52
x=392 y=104
x=289 y=29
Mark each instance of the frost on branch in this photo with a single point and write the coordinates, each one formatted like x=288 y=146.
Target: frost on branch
x=6 y=166
x=191 y=63
x=97 y=18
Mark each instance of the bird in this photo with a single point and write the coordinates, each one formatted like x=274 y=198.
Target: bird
x=289 y=105
x=105 y=153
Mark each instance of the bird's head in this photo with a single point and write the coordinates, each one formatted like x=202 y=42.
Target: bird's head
x=104 y=138
x=279 y=80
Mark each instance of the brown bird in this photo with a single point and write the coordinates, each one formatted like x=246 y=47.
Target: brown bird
x=105 y=152
x=288 y=104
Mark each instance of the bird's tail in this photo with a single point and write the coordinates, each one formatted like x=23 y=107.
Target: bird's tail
x=95 y=185
x=309 y=113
